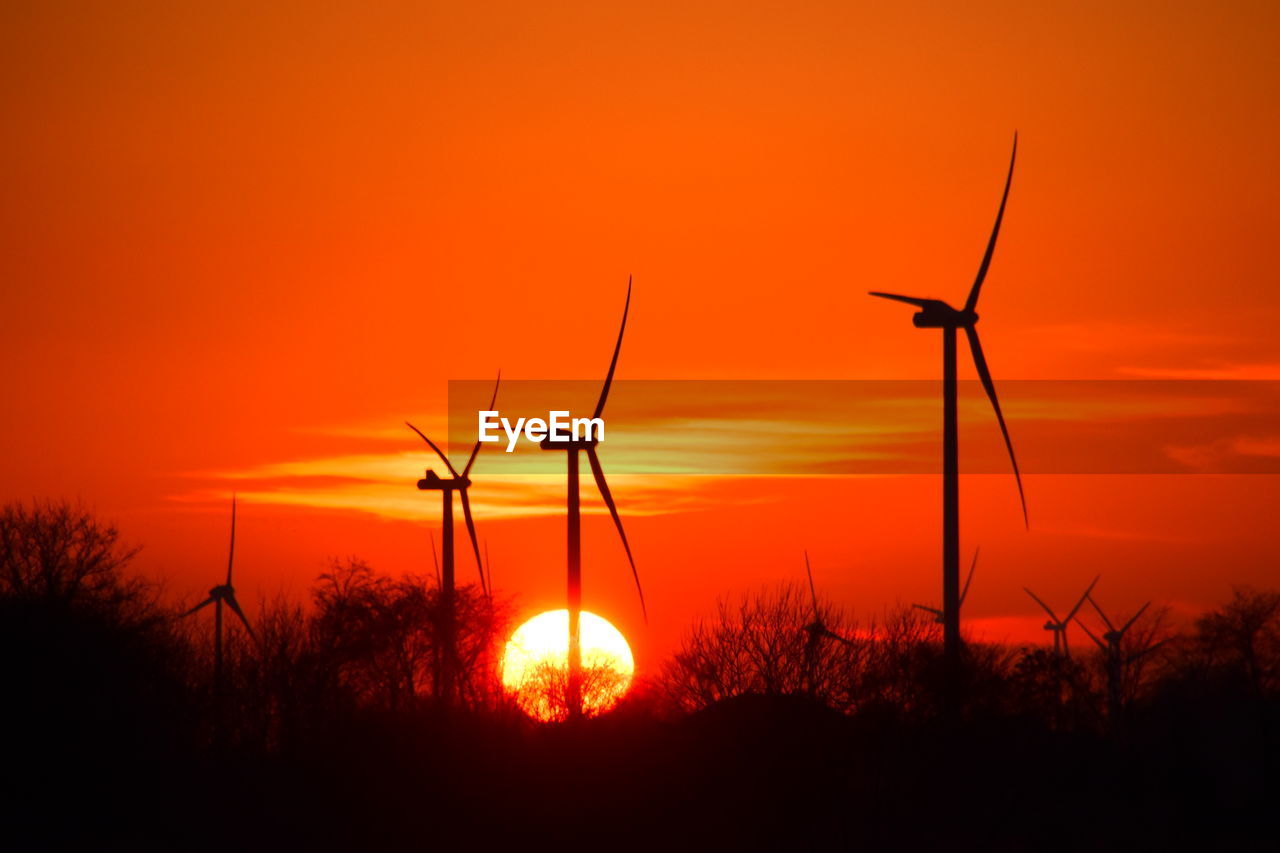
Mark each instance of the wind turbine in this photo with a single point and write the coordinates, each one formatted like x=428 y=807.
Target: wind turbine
x=446 y=487
x=936 y=314
x=964 y=593
x=573 y=448
x=1059 y=626
x=218 y=595
x=817 y=629
x=1114 y=656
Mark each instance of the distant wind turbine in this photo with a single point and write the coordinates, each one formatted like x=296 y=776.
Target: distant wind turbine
x=446 y=487
x=588 y=446
x=817 y=629
x=1059 y=626
x=964 y=593
x=220 y=594
x=1114 y=655
x=936 y=314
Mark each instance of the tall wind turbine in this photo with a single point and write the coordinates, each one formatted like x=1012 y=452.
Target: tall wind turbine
x=446 y=487
x=573 y=448
x=964 y=593
x=818 y=629
x=1059 y=626
x=221 y=593
x=936 y=314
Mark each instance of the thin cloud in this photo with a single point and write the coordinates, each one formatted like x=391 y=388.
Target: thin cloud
x=1219 y=371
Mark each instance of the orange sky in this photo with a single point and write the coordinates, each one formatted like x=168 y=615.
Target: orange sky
x=239 y=238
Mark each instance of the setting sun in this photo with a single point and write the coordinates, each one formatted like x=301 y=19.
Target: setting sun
x=534 y=665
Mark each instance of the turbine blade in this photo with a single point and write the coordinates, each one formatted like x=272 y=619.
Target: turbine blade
x=617 y=348
x=231 y=554
x=598 y=473
x=910 y=300
x=972 y=302
x=833 y=635
x=1129 y=624
x=984 y=373
x=199 y=606
x=235 y=606
x=1046 y=607
x=423 y=436
x=964 y=593
x=1080 y=603
x=488 y=566
x=435 y=560
x=1100 y=644
x=476 y=450
x=475 y=546
x=1136 y=656
x=1110 y=627
x=812 y=591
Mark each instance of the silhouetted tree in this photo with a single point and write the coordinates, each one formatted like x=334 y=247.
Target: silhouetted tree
x=282 y=688
x=544 y=692
x=56 y=551
x=92 y=668
x=384 y=636
x=1243 y=637
x=761 y=646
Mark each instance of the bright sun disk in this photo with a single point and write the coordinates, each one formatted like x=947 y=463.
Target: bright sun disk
x=534 y=666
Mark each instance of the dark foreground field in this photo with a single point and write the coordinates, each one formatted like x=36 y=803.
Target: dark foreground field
x=325 y=729
x=751 y=772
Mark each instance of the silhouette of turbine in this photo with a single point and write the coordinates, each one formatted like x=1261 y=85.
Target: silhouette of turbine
x=817 y=629
x=936 y=314
x=964 y=593
x=446 y=487
x=220 y=594
x=1114 y=656
x=574 y=562
x=1059 y=626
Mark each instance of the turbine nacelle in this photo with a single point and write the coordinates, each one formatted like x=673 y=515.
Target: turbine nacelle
x=222 y=591
x=434 y=482
x=943 y=317
x=934 y=313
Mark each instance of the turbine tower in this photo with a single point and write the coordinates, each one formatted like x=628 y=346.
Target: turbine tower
x=574 y=562
x=936 y=314
x=817 y=629
x=459 y=483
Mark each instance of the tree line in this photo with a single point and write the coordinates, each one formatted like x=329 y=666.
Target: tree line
x=101 y=673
